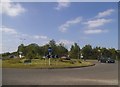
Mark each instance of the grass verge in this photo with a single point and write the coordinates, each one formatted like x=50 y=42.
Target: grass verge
x=44 y=64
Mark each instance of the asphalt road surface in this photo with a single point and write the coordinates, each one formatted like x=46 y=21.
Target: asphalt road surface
x=100 y=74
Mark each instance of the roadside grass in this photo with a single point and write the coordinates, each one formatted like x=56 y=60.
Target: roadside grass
x=44 y=63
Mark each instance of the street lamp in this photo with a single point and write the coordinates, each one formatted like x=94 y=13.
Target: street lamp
x=100 y=54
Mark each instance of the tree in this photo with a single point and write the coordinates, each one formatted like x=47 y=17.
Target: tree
x=30 y=55
x=21 y=48
x=96 y=53
x=113 y=53
x=5 y=54
x=87 y=51
x=33 y=49
x=118 y=54
x=61 y=50
x=52 y=43
x=106 y=52
x=75 y=51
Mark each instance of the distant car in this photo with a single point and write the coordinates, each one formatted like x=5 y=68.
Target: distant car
x=106 y=60
x=110 y=60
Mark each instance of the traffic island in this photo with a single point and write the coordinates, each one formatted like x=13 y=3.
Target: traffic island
x=44 y=64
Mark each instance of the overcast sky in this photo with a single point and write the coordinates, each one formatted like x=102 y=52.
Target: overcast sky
x=37 y=22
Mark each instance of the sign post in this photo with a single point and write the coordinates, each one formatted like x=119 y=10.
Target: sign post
x=49 y=61
x=49 y=51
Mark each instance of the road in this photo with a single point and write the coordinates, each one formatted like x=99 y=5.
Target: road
x=100 y=74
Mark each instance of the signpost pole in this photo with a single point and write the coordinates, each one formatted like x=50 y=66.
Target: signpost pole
x=49 y=51
x=49 y=61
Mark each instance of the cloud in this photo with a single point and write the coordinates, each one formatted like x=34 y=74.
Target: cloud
x=62 y=4
x=64 y=27
x=93 y=25
x=11 y=35
x=95 y=31
x=8 y=30
x=65 y=42
x=40 y=37
x=105 y=13
x=97 y=22
x=11 y=9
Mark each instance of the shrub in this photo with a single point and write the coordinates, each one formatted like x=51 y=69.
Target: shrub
x=79 y=61
x=72 y=62
x=27 y=61
x=13 y=61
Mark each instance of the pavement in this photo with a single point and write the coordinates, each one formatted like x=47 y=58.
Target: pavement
x=100 y=74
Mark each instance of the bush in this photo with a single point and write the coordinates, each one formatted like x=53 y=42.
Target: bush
x=61 y=59
x=13 y=61
x=79 y=61
x=27 y=61
x=36 y=58
x=72 y=62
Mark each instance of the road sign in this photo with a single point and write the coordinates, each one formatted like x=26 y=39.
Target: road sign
x=49 y=51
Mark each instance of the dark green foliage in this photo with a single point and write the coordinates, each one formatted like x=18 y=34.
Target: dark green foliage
x=5 y=54
x=95 y=53
x=21 y=48
x=14 y=61
x=34 y=51
x=118 y=54
x=27 y=61
x=75 y=51
x=87 y=51
x=106 y=52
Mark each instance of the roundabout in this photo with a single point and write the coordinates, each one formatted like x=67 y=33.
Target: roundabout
x=100 y=74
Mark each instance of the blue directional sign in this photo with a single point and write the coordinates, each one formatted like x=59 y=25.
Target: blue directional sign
x=49 y=49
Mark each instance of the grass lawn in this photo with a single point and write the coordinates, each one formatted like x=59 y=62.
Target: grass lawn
x=41 y=63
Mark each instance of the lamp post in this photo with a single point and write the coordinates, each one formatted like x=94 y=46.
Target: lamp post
x=100 y=54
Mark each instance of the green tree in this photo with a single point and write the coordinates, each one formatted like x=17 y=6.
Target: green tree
x=106 y=52
x=75 y=51
x=87 y=51
x=32 y=50
x=118 y=54
x=5 y=54
x=21 y=48
x=96 y=53
x=113 y=53
x=61 y=50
